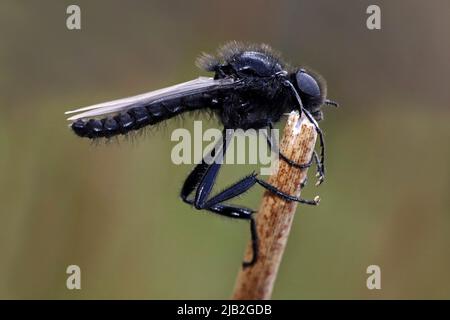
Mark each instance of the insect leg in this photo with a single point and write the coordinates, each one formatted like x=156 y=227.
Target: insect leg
x=303 y=183
x=196 y=176
x=322 y=146
x=246 y=183
x=202 y=179
x=208 y=179
x=318 y=130
x=315 y=158
x=192 y=181
x=214 y=204
x=241 y=213
x=273 y=145
x=284 y=195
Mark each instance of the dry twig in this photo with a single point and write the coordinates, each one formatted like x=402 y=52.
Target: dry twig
x=275 y=215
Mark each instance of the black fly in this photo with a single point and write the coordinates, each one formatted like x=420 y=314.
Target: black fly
x=251 y=89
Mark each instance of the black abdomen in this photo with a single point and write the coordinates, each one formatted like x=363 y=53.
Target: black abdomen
x=139 y=117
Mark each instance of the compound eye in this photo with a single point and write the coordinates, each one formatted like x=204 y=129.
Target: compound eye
x=307 y=84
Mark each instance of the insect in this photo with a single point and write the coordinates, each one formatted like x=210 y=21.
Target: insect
x=252 y=88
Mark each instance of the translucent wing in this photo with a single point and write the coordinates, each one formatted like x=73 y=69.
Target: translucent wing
x=201 y=84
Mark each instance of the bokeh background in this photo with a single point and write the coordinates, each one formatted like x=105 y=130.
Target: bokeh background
x=113 y=209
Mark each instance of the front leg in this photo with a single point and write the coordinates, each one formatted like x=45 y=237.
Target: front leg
x=315 y=158
x=314 y=122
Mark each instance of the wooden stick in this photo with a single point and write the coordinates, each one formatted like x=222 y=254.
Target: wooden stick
x=274 y=218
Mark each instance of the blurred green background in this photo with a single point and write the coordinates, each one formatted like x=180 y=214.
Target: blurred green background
x=113 y=209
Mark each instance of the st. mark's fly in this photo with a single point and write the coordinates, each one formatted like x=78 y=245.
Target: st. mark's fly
x=252 y=88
